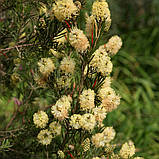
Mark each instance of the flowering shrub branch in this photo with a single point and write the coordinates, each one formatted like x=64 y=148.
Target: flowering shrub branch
x=65 y=63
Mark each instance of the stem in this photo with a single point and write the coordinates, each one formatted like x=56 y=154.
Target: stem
x=98 y=34
x=47 y=153
x=17 y=46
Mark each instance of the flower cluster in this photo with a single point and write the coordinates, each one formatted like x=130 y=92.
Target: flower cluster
x=127 y=150
x=46 y=66
x=87 y=99
x=81 y=99
x=45 y=136
x=86 y=121
x=100 y=10
x=61 y=108
x=67 y=65
x=78 y=40
x=64 y=9
x=100 y=114
x=55 y=128
x=101 y=62
x=40 y=119
x=101 y=139
x=113 y=45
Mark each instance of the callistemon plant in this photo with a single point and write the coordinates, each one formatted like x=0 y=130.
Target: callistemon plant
x=73 y=72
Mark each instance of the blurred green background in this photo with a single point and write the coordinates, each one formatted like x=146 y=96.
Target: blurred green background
x=135 y=74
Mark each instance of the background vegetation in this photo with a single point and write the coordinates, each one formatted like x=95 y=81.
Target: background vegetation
x=136 y=71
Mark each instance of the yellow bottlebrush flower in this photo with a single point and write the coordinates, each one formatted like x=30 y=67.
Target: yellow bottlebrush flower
x=40 y=119
x=87 y=99
x=88 y=122
x=45 y=137
x=75 y=121
x=100 y=10
x=60 y=109
x=61 y=154
x=67 y=65
x=46 y=66
x=109 y=134
x=113 y=45
x=95 y=158
x=78 y=40
x=64 y=9
x=55 y=128
x=138 y=158
x=100 y=114
x=127 y=150
x=101 y=62
x=86 y=144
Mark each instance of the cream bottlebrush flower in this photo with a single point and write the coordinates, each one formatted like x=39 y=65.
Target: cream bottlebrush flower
x=64 y=9
x=87 y=99
x=55 y=128
x=78 y=40
x=40 y=119
x=100 y=114
x=75 y=121
x=90 y=21
x=88 y=122
x=61 y=154
x=127 y=150
x=110 y=102
x=98 y=140
x=109 y=134
x=45 y=137
x=115 y=156
x=95 y=158
x=113 y=45
x=101 y=62
x=105 y=92
x=108 y=22
x=60 y=109
x=67 y=65
x=100 y=10
x=138 y=158
x=46 y=66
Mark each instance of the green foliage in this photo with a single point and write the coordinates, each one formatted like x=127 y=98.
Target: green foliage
x=137 y=64
x=135 y=72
